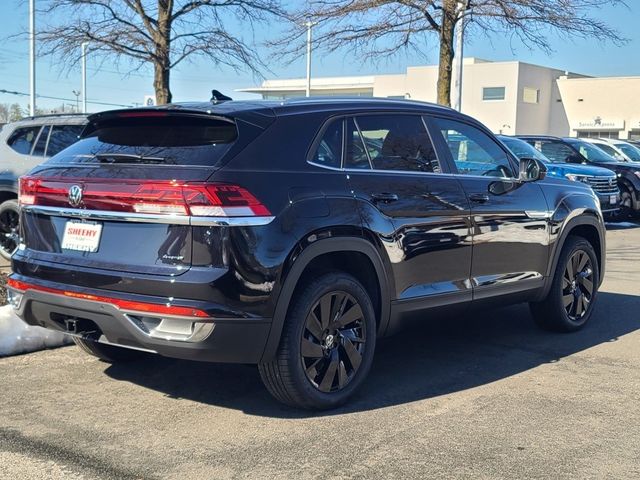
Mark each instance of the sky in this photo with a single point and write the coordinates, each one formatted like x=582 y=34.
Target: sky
x=106 y=82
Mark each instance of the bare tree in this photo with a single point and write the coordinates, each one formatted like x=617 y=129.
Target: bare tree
x=162 y=33
x=377 y=29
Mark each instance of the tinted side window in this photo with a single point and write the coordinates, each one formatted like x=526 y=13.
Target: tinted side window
x=329 y=150
x=62 y=136
x=473 y=151
x=397 y=142
x=556 y=151
x=22 y=139
x=41 y=145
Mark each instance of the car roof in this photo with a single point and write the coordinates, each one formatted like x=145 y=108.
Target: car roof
x=539 y=137
x=53 y=119
x=293 y=106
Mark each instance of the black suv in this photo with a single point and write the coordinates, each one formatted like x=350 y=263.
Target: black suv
x=575 y=150
x=294 y=234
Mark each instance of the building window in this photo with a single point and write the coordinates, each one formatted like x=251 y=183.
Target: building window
x=493 y=93
x=602 y=134
x=531 y=95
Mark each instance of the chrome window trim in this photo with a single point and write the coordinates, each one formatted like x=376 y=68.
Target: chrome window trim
x=413 y=172
x=148 y=218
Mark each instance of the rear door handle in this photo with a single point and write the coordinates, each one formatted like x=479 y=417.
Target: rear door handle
x=479 y=197
x=384 y=197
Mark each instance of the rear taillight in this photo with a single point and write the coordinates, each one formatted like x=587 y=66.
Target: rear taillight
x=146 y=197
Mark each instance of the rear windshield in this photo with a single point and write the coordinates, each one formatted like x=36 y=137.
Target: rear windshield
x=171 y=140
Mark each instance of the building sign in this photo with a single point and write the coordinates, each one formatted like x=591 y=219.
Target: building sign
x=599 y=123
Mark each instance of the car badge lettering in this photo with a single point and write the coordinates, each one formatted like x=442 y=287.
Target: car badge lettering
x=75 y=195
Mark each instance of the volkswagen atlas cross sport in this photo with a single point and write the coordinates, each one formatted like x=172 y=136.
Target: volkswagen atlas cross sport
x=294 y=234
x=603 y=181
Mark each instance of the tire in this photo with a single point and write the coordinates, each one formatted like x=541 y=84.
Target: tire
x=9 y=216
x=571 y=298
x=321 y=361
x=625 y=212
x=108 y=353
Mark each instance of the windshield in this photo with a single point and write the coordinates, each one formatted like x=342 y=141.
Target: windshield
x=630 y=151
x=522 y=149
x=591 y=152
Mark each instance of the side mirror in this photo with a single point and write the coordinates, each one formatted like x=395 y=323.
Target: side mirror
x=531 y=170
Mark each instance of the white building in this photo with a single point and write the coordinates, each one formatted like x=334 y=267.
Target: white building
x=509 y=97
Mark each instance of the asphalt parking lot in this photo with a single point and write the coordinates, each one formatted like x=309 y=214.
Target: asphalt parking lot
x=484 y=396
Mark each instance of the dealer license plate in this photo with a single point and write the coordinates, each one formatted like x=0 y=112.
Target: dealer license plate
x=613 y=199
x=84 y=237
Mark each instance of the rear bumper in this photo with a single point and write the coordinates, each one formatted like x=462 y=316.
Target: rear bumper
x=228 y=340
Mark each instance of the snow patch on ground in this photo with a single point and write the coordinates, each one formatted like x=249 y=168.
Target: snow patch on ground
x=18 y=337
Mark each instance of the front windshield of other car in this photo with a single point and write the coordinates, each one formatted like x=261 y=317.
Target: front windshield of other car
x=522 y=149
x=630 y=151
x=591 y=152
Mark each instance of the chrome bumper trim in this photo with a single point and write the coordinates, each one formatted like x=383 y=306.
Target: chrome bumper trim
x=148 y=218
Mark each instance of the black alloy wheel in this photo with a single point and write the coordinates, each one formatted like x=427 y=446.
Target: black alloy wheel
x=327 y=344
x=570 y=301
x=333 y=341
x=9 y=223
x=577 y=285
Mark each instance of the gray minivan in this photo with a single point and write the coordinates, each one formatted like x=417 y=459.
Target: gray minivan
x=23 y=145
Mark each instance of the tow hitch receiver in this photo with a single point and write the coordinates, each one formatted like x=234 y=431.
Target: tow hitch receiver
x=78 y=326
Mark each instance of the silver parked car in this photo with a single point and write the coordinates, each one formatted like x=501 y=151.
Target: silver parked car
x=23 y=145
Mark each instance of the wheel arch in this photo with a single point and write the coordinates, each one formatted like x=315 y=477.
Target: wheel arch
x=629 y=185
x=340 y=253
x=589 y=227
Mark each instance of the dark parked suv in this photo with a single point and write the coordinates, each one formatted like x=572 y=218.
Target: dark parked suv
x=576 y=150
x=294 y=234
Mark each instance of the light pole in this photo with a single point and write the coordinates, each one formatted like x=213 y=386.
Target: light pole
x=309 y=25
x=464 y=7
x=77 y=94
x=32 y=57
x=84 y=77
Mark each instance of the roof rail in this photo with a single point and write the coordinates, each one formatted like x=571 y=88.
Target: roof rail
x=48 y=115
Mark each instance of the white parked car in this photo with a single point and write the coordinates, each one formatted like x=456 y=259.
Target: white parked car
x=23 y=145
x=618 y=149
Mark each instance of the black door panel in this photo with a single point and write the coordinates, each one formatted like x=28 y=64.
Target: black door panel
x=508 y=217
x=419 y=213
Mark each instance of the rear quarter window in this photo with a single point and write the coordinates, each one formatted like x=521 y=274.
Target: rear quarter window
x=22 y=139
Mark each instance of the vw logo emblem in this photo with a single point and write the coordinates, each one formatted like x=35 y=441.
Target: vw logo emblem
x=75 y=195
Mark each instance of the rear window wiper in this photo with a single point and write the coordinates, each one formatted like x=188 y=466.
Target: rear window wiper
x=128 y=158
